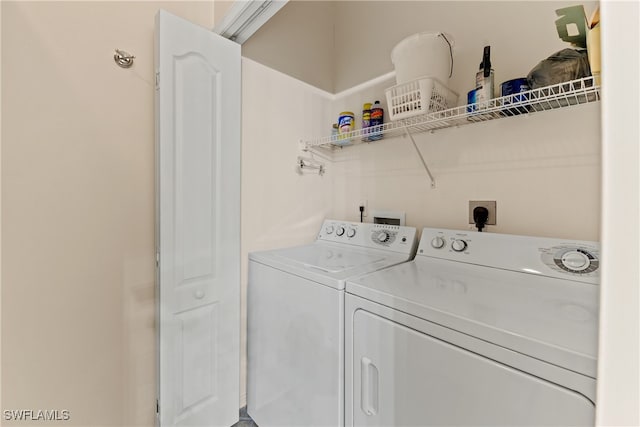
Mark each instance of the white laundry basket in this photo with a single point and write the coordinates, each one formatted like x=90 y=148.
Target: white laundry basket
x=426 y=95
x=423 y=54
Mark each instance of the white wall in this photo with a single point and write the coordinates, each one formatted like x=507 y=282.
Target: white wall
x=279 y=207
x=335 y=45
x=619 y=349
x=543 y=170
x=520 y=33
x=78 y=261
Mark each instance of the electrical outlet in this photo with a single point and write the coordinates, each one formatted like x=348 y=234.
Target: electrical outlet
x=491 y=207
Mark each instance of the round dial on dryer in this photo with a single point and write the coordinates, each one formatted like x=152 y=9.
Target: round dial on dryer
x=329 y=229
x=437 y=242
x=351 y=232
x=576 y=260
x=459 y=245
x=340 y=231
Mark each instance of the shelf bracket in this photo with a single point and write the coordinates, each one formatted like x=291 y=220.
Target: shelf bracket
x=307 y=163
x=426 y=168
x=314 y=151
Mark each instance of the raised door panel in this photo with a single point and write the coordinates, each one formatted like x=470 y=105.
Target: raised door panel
x=403 y=377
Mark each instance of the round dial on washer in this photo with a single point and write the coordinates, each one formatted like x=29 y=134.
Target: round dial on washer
x=351 y=232
x=340 y=231
x=437 y=242
x=383 y=236
x=329 y=229
x=459 y=245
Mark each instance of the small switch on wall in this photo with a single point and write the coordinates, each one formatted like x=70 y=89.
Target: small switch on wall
x=491 y=207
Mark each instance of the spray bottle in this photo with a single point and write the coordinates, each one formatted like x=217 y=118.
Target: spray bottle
x=484 y=78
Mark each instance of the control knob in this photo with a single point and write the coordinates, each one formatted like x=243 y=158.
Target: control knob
x=575 y=261
x=340 y=231
x=351 y=232
x=437 y=242
x=329 y=229
x=383 y=236
x=459 y=245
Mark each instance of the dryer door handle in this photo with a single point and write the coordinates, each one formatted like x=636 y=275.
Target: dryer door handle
x=369 y=390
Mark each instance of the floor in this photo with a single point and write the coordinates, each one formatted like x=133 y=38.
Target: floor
x=245 y=419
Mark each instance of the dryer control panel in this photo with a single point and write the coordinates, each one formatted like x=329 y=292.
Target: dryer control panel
x=393 y=238
x=577 y=260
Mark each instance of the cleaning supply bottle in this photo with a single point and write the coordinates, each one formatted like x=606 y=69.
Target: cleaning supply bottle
x=376 y=121
x=346 y=125
x=484 y=78
x=334 y=132
x=366 y=120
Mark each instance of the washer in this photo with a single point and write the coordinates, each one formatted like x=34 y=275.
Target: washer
x=296 y=319
x=480 y=329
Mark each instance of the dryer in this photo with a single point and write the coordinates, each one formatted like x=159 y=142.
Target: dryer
x=295 y=371
x=479 y=329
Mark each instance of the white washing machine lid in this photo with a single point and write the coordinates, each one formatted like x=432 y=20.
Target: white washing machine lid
x=328 y=263
x=551 y=319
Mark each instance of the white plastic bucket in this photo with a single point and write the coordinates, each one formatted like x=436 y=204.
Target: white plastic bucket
x=427 y=54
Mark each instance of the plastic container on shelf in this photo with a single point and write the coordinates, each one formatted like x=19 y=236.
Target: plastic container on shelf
x=423 y=54
x=418 y=97
x=346 y=125
x=334 y=133
x=376 y=122
x=366 y=120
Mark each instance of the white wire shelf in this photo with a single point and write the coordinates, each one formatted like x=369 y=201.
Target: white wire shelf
x=561 y=95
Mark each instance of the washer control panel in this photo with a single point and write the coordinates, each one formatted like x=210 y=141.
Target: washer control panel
x=567 y=259
x=381 y=236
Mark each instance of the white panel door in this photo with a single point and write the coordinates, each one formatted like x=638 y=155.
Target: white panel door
x=402 y=377
x=198 y=223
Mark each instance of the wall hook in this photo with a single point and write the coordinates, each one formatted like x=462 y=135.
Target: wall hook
x=123 y=58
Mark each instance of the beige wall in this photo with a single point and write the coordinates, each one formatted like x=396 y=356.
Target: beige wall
x=77 y=193
x=78 y=208
x=1 y=406
x=220 y=9
x=298 y=40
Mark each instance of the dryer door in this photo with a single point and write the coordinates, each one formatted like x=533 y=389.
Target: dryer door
x=406 y=378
